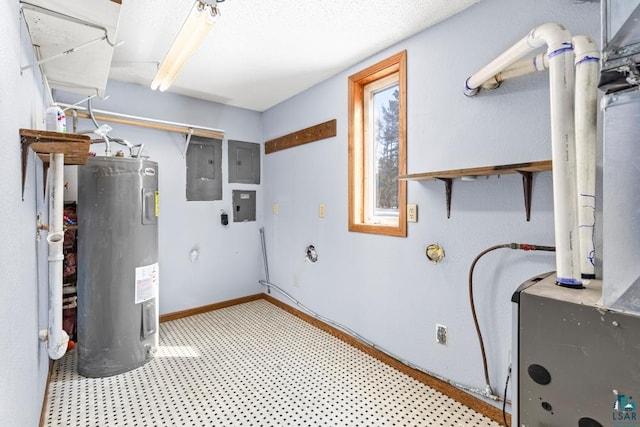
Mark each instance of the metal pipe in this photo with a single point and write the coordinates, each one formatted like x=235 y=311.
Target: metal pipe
x=151 y=123
x=264 y=254
x=65 y=53
x=107 y=145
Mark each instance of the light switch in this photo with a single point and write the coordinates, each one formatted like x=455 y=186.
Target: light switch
x=322 y=212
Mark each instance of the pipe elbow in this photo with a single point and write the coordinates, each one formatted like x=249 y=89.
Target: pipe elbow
x=551 y=34
x=57 y=347
x=585 y=49
x=554 y=35
x=469 y=91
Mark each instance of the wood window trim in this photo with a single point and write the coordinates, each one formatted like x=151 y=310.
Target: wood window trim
x=357 y=82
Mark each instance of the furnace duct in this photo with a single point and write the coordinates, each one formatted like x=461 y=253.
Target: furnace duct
x=573 y=136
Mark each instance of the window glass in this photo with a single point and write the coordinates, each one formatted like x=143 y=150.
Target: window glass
x=377 y=147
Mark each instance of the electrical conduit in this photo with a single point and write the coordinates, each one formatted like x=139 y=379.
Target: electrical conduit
x=561 y=78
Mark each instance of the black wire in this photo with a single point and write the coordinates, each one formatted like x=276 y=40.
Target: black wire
x=504 y=401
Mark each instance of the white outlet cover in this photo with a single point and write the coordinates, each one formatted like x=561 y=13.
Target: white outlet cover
x=441 y=334
x=412 y=212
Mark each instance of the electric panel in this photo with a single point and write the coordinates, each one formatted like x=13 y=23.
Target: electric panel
x=204 y=169
x=244 y=162
x=244 y=205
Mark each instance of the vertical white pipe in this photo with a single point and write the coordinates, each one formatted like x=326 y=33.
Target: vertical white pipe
x=561 y=78
x=565 y=199
x=57 y=338
x=586 y=95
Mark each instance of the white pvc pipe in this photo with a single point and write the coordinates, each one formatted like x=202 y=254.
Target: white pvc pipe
x=57 y=338
x=561 y=79
x=586 y=93
x=555 y=36
x=540 y=62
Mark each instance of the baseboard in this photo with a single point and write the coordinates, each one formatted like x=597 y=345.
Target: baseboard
x=205 y=308
x=45 y=398
x=455 y=393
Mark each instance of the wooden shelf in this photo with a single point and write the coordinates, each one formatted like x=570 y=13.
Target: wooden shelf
x=74 y=147
x=447 y=176
x=544 y=165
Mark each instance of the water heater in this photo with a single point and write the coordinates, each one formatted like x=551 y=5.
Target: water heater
x=117 y=265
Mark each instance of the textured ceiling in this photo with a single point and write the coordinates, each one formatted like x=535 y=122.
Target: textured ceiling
x=262 y=52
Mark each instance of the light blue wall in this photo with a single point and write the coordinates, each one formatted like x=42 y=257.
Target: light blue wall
x=383 y=287
x=230 y=263
x=23 y=309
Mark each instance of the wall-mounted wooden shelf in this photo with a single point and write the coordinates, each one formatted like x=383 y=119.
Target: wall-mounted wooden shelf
x=74 y=147
x=447 y=176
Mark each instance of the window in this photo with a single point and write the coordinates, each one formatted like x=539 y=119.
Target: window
x=377 y=148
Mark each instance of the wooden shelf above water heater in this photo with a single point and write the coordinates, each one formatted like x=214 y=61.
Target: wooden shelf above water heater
x=447 y=176
x=74 y=147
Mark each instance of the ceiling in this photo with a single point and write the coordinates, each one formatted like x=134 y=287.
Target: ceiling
x=260 y=52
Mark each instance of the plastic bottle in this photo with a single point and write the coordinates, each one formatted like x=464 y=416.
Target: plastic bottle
x=55 y=120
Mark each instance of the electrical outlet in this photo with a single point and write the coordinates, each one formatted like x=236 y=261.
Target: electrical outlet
x=441 y=334
x=412 y=212
x=276 y=209
x=322 y=210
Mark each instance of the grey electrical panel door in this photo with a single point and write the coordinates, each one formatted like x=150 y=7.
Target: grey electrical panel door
x=244 y=205
x=244 y=162
x=204 y=169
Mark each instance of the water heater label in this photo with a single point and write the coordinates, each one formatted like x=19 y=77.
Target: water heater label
x=147 y=278
x=149 y=171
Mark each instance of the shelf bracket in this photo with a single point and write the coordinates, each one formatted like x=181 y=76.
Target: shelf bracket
x=527 y=185
x=186 y=144
x=448 y=185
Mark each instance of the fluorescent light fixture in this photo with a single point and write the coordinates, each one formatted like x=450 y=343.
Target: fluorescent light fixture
x=200 y=20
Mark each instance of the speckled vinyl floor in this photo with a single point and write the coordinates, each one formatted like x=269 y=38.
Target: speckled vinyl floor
x=252 y=364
